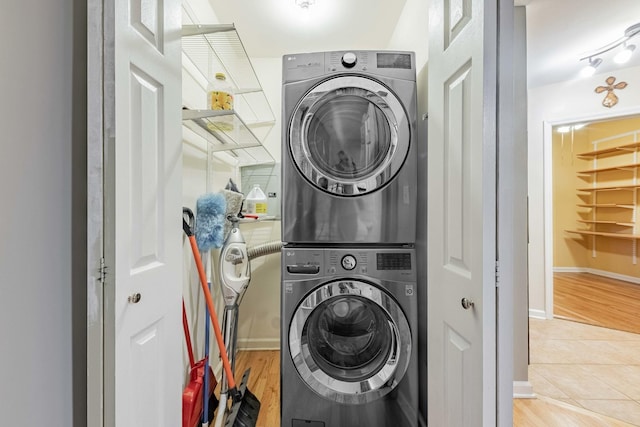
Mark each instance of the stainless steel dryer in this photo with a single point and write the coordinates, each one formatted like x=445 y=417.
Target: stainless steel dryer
x=349 y=148
x=349 y=344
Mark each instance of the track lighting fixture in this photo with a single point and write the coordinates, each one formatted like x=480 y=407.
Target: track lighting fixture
x=625 y=54
x=621 y=57
x=590 y=68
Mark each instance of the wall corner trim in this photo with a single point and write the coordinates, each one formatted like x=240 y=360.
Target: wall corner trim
x=537 y=314
x=523 y=390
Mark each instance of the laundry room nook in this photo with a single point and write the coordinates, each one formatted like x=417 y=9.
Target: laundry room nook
x=358 y=188
x=348 y=219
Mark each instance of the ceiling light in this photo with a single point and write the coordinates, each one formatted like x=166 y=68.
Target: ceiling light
x=305 y=3
x=622 y=56
x=590 y=69
x=625 y=54
x=579 y=126
x=564 y=129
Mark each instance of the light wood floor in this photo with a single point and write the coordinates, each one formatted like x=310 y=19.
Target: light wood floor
x=264 y=382
x=597 y=300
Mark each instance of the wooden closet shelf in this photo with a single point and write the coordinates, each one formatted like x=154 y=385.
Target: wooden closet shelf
x=611 y=150
x=601 y=233
x=589 y=221
x=605 y=205
x=613 y=168
x=611 y=188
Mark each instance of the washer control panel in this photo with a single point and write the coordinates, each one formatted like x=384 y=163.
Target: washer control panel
x=381 y=263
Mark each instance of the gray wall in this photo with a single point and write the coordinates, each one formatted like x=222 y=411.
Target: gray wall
x=41 y=219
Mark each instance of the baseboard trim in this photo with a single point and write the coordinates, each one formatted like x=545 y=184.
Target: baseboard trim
x=570 y=270
x=603 y=273
x=259 y=344
x=537 y=314
x=523 y=390
x=624 y=277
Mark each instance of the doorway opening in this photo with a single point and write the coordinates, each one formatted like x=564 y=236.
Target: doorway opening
x=592 y=176
x=595 y=207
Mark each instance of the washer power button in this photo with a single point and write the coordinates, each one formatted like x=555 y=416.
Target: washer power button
x=348 y=262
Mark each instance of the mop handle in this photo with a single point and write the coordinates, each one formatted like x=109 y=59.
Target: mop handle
x=212 y=311
x=205 y=395
x=187 y=336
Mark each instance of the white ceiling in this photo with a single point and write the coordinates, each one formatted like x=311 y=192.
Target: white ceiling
x=272 y=28
x=559 y=32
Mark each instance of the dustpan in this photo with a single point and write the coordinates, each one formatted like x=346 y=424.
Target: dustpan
x=244 y=413
x=193 y=393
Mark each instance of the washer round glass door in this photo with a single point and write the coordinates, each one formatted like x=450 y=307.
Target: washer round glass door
x=349 y=135
x=350 y=341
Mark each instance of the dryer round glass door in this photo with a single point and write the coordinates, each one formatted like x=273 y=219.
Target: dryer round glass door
x=349 y=135
x=350 y=341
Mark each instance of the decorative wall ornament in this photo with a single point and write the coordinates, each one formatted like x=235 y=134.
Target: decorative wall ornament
x=611 y=99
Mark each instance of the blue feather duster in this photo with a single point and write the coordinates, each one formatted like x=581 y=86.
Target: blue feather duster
x=211 y=210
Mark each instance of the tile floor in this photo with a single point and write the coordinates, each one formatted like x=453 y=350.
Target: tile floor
x=587 y=366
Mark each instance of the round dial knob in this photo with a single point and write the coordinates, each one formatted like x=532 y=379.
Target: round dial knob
x=349 y=59
x=348 y=262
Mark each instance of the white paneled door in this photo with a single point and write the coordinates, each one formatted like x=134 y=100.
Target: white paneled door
x=143 y=369
x=462 y=213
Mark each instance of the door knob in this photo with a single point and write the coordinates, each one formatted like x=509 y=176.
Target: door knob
x=134 y=298
x=466 y=303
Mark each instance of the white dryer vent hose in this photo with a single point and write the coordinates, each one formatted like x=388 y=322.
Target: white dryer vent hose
x=264 y=249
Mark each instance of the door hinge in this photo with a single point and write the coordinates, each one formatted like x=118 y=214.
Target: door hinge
x=102 y=271
x=497 y=274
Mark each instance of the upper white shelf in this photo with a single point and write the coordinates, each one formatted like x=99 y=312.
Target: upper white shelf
x=211 y=49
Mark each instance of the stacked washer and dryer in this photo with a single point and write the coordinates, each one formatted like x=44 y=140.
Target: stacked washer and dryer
x=349 y=305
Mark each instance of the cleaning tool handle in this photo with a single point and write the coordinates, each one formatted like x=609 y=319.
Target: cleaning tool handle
x=188 y=226
x=187 y=336
x=212 y=312
x=205 y=396
x=209 y=301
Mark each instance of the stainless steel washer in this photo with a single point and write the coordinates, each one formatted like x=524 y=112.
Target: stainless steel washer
x=349 y=148
x=349 y=344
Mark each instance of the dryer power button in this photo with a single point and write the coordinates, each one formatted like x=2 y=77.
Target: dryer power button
x=349 y=59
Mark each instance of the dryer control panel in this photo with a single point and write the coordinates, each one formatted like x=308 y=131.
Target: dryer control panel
x=386 y=63
x=394 y=64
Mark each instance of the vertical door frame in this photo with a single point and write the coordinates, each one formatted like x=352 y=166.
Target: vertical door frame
x=100 y=73
x=506 y=234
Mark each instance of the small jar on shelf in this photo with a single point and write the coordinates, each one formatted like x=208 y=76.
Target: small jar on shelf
x=220 y=97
